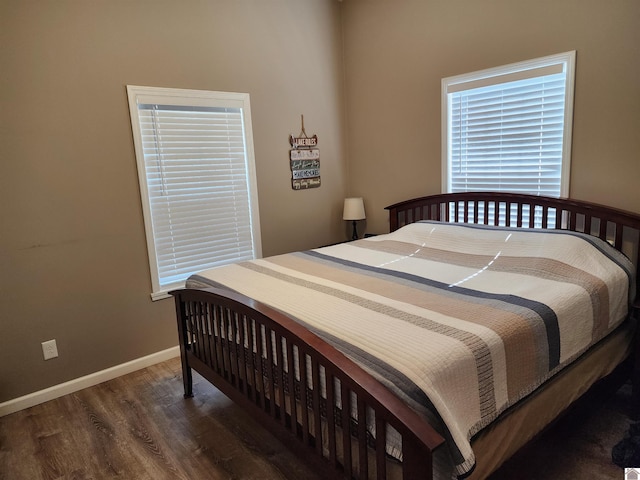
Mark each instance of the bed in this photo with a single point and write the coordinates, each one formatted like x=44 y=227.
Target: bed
x=360 y=355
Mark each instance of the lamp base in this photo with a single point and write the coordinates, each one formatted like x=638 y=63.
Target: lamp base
x=354 y=236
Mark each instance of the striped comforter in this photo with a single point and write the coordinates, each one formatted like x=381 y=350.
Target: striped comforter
x=460 y=320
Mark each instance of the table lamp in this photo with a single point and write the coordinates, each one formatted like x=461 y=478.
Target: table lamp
x=353 y=210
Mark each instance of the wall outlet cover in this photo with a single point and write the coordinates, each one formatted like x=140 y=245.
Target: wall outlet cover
x=49 y=349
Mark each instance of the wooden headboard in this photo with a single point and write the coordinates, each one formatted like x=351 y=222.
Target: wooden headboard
x=618 y=227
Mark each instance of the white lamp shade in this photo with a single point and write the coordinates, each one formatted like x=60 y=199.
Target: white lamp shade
x=353 y=209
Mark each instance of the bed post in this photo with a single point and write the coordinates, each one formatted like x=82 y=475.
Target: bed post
x=187 y=378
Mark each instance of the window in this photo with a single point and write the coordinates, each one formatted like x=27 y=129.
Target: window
x=509 y=128
x=196 y=170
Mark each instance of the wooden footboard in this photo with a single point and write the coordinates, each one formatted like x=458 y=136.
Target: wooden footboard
x=260 y=358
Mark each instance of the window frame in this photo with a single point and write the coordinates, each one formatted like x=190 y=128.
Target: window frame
x=187 y=98
x=512 y=72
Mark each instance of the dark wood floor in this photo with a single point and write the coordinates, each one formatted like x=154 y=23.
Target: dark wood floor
x=140 y=427
x=137 y=427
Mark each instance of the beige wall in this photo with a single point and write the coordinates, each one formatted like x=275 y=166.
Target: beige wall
x=396 y=54
x=73 y=257
x=73 y=263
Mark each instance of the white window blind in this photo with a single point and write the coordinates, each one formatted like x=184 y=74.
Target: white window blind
x=509 y=129
x=197 y=181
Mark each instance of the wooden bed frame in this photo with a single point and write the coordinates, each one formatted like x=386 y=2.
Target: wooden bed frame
x=215 y=325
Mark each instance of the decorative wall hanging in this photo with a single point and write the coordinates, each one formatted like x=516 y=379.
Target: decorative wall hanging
x=305 y=160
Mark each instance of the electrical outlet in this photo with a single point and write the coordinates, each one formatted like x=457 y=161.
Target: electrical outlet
x=49 y=349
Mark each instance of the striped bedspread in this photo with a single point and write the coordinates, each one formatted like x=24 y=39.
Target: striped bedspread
x=461 y=320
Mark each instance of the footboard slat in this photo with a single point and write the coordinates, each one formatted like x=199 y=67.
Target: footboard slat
x=199 y=325
x=293 y=409
x=331 y=426
x=236 y=351
x=240 y=358
x=304 y=407
x=217 y=322
x=227 y=345
x=270 y=405
x=315 y=373
x=203 y=311
x=259 y=374
x=346 y=442
x=251 y=375
x=381 y=435
x=196 y=326
x=363 y=461
x=208 y=346
x=280 y=375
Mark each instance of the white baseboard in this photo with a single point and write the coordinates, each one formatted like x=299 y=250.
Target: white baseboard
x=90 y=380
